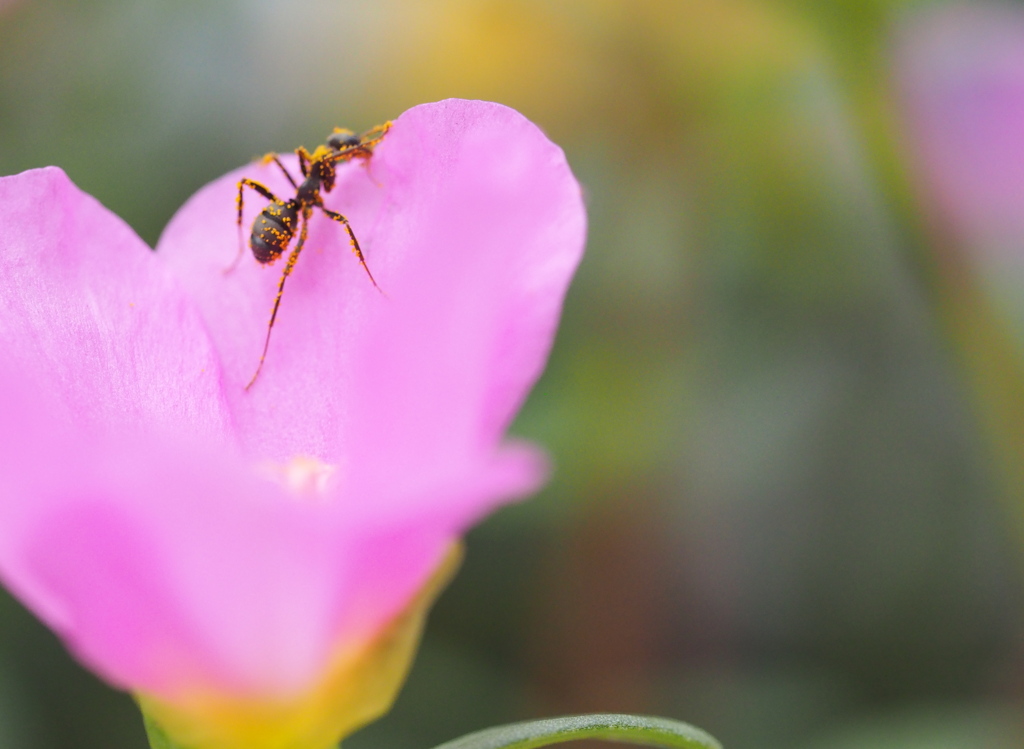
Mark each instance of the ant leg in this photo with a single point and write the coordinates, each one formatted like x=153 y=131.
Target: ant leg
x=379 y=132
x=350 y=152
x=243 y=183
x=304 y=159
x=369 y=143
x=292 y=259
x=353 y=241
x=272 y=157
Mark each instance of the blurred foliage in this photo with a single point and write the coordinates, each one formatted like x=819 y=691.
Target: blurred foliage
x=775 y=512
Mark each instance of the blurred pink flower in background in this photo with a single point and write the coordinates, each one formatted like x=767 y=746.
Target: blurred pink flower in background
x=254 y=565
x=960 y=79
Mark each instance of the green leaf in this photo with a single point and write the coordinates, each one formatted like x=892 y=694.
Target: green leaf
x=158 y=739
x=631 y=729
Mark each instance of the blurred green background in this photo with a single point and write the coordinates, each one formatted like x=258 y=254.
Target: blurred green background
x=787 y=417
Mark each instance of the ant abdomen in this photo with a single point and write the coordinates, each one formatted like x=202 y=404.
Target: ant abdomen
x=272 y=230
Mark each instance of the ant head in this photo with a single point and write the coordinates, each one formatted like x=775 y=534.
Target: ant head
x=340 y=139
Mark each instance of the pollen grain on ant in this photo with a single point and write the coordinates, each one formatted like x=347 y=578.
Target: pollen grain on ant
x=276 y=225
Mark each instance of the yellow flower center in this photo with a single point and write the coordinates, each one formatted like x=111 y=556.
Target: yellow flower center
x=304 y=476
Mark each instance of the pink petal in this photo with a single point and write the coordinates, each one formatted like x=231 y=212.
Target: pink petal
x=167 y=569
x=90 y=310
x=472 y=224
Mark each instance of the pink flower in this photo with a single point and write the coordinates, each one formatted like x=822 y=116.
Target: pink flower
x=254 y=564
x=960 y=73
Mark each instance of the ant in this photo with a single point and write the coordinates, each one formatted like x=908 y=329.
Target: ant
x=274 y=228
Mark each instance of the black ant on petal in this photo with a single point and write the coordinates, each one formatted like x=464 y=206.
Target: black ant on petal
x=275 y=227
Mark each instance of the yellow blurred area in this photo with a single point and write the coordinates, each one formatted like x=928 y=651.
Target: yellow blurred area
x=580 y=66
